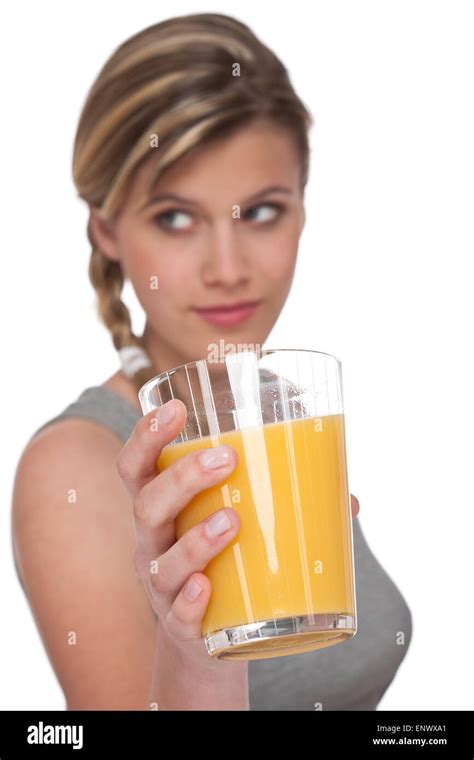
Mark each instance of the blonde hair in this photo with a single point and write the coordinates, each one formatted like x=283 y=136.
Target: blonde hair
x=175 y=80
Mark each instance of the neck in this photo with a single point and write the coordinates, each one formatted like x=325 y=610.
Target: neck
x=161 y=353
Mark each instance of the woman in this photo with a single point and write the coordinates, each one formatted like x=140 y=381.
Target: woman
x=192 y=155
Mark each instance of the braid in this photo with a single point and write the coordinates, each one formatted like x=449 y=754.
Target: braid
x=107 y=279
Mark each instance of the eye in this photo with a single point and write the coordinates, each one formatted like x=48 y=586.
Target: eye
x=271 y=212
x=163 y=220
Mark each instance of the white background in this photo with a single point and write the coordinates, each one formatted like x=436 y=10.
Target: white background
x=384 y=281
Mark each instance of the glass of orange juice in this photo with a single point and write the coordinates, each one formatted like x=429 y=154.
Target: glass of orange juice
x=286 y=583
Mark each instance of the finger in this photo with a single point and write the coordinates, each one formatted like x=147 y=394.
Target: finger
x=162 y=499
x=192 y=553
x=355 y=506
x=184 y=619
x=136 y=462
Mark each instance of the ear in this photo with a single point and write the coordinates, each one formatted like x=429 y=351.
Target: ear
x=103 y=234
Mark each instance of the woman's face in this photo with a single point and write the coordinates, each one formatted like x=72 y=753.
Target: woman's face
x=227 y=238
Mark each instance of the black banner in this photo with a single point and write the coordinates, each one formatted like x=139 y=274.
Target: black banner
x=77 y=734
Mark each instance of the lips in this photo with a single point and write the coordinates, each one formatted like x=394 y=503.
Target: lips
x=228 y=315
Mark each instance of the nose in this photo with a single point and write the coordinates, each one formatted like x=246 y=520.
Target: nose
x=225 y=261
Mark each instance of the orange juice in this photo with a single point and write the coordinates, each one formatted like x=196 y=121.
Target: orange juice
x=292 y=556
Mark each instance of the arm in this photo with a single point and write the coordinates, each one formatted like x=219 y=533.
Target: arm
x=179 y=684
x=73 y=538
x=74 y=542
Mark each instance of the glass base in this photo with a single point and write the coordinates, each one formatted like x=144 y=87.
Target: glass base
x=280 y=637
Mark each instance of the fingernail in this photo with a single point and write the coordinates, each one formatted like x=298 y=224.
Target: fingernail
x=216 y=457
x=166 y=413
x=216 y=524
x=193 y=589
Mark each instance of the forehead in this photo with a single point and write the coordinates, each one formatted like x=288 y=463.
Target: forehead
x=237 y=165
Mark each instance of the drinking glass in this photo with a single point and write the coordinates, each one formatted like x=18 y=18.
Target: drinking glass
x=286 y=582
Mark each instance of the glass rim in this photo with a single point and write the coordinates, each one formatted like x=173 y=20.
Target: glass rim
x=261 y=352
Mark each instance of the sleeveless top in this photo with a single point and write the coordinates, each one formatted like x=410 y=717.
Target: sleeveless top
x=352 y=675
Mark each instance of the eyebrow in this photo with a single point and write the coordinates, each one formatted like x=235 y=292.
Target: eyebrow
x=188 y=202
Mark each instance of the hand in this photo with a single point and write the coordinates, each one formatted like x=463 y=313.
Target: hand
x=169 y=568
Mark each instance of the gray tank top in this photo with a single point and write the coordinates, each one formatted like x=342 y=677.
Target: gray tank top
x=353 y=675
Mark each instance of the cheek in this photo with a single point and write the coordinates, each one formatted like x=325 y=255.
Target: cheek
x=278 y=259
x=138 y=261
x=161 y=289
x=156 y=278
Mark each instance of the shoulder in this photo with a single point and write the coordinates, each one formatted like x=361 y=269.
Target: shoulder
x=65 y=474
x=66 y=443
x=81 y=432
x=70 y=447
